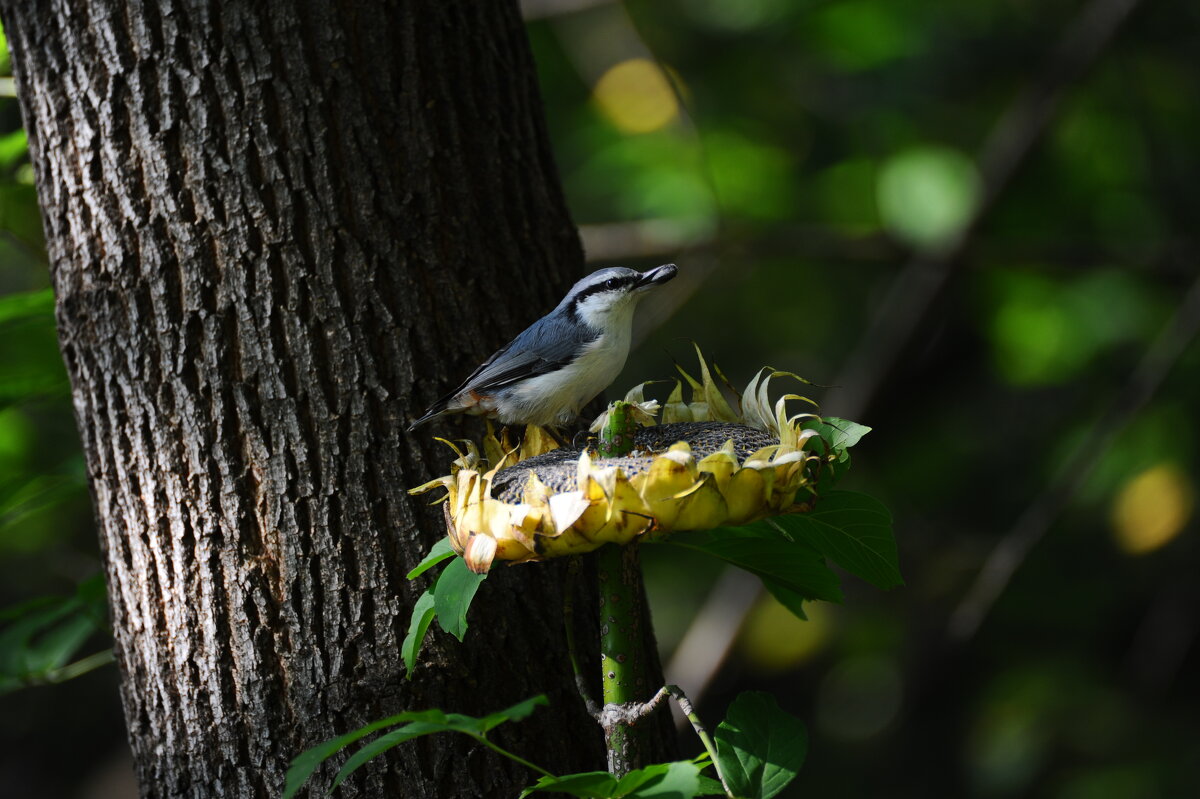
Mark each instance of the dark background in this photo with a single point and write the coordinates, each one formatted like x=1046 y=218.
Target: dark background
x=812 y=167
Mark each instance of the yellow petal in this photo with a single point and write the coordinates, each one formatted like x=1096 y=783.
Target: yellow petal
x=536 y=442
x=718 y=408
x=702 y=508
x=746 y=495
x=676 y=410
x=721 y=464
x=670 y=474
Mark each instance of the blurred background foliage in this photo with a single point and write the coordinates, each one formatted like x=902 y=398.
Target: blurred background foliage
x=814 y=167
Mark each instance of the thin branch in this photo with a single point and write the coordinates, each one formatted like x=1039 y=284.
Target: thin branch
x=685 y=705
x=581 y=683
x=1009 y=145
x=1029 y=529
x=630 y=713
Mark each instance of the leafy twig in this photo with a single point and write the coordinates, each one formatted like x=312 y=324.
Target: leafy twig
x=581 y=683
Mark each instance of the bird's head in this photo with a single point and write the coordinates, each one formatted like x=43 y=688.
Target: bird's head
x=607 y=295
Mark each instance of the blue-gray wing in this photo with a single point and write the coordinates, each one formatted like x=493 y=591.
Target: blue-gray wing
x=542 y=348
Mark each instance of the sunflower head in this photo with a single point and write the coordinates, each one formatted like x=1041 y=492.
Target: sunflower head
x=708 y=464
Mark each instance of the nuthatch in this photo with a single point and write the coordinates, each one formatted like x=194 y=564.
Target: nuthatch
x=551 y=370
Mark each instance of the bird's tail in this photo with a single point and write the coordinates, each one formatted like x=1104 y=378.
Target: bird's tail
x=436 y=410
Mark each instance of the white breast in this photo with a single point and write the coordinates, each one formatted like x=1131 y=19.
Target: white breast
x=555 y=399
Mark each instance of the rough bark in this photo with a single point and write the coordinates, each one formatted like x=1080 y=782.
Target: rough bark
x=277 y=231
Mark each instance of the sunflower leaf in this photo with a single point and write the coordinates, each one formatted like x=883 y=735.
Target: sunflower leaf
x=792 y=565
x=440 y=551
x=854 y=531
x=422 y=616
x=452 y=595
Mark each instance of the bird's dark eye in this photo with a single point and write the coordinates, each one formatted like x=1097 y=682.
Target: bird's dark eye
x=611 y=283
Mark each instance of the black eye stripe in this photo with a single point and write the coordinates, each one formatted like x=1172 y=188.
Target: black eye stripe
x=612 y=284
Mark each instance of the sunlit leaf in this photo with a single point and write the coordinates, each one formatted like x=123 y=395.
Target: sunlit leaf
x=588 y=785
x=707 y=786
x=679 y=780
x=422 y=616
x=760 y=747
x=838 y=434
x=438 y=553
x=452 y=595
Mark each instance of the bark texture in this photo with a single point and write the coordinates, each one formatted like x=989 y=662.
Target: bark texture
x=277 y=231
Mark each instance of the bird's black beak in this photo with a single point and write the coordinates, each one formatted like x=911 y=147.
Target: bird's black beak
x=657 y=276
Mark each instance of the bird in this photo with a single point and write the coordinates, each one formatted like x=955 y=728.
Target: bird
x=557 y=365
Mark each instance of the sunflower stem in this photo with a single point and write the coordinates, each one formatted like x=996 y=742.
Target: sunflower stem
x=622 y=640
x=622 y=654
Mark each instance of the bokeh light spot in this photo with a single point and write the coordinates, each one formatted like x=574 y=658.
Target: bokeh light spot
x=926 y=195
x=636 y=96
x=752 y=179
x=773 y=639
x=1152 y=508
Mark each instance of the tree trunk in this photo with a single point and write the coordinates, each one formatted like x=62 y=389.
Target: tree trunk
x=277 y=231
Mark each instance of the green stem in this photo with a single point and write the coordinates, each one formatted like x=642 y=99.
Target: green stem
x=73 y=670
x=622 y=640
x=622 y=653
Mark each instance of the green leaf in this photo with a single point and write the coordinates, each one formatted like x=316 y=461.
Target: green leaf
x=19 y=501
x=838 y=434
x=418 y=625
x=792 y=565
x=587 y=784
x=416 y=723
x=27 y=304
x=710 y=787
x=309 y=760
x=434 y=721
x=482 y=726
x=41 y=636
x=440 y=551
x=452 y=595
x=854 y=531
x=760 y=747
x=385 y=742
x=787 y=597
x=680 y=780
